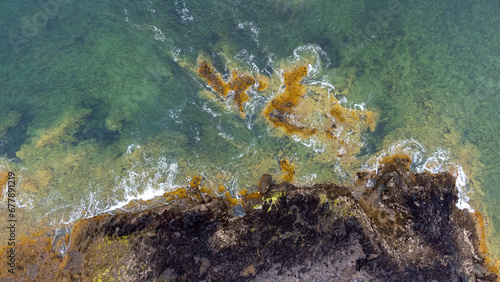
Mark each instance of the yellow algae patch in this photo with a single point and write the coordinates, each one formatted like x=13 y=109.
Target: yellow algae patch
x=221 y=189
x=238 y=84
x=206 y=190
x=371 y=120
x=293 y=90
x=213 y=78
x=232 y=201
x=195 y=182
x=252 y=196
x=338 y=113
x=288 y=170
x=180 y=193
x=42 y=177
x=4 y=178
x=279 y=109
x=493 y=264
x=351 y=119
x=312 y=111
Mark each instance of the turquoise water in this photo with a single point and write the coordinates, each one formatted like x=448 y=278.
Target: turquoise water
x=102 y=103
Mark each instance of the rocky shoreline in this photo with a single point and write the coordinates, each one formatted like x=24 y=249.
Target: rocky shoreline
x=391 y=225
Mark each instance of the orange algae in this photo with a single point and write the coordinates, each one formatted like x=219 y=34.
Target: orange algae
x=40 y=242
x=205 y=190
x=195 y=182
x=280 y=107
x=221 y=188
x=292 y=105
x=239 y=84
x=293 y=90
x=493 y=264
x=4 y=178
x=180 y=193
x=252 y=196
x=213 y=78
x=351 y=119
x=288 y=170
x=338 y=113
x=232 y=201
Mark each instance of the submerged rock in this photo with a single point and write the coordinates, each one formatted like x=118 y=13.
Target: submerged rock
x=406 y=227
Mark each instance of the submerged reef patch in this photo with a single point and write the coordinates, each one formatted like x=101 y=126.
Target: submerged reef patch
x=280 y=108
x=312 y=111
x=238 y=84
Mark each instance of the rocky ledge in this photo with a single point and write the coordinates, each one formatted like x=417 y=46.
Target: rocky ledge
x=391 y=225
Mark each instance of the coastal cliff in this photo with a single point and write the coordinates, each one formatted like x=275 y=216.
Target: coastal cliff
x=390 y=225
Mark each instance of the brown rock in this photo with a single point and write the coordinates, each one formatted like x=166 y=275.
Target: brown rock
x=265 y=183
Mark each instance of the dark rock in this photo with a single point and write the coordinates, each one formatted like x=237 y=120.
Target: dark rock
x=404 y=228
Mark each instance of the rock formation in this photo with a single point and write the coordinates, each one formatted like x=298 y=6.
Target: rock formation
x=391 y=225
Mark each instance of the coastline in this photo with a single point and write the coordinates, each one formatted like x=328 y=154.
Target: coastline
x=404 y=227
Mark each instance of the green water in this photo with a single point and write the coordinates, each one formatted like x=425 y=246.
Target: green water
x=105 y=86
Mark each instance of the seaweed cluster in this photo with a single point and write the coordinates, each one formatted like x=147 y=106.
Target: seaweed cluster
x=288 y=170
x=300 y=109
x=279 y=110
x=313 y=111
x=239 y=83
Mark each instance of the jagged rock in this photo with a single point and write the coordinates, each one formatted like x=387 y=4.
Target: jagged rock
x=406 y=227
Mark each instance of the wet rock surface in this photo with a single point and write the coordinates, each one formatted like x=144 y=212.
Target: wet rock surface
x=392 y=225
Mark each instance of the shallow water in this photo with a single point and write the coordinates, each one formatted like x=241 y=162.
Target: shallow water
x=102 y=102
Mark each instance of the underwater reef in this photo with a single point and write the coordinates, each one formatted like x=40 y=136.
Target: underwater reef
x=392 y=224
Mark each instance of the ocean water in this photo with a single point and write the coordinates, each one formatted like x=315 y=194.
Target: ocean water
x=102 y=102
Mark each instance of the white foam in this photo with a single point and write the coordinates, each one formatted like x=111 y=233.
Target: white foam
x=175 y=53
x=208 y=110
x=182 y=11
x=158 y=33
x=247 y=58
x=91 y=205
x=306 y=180
x=324 y=84
x=151 y=187
x=126 y=16
x=175 y=115
x=22 y=199
x=310 y=142
x=253 y=28
x=223 y=134
x=321 y=57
